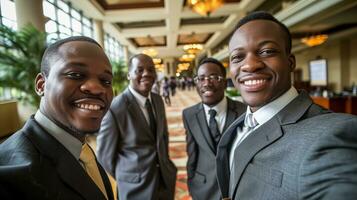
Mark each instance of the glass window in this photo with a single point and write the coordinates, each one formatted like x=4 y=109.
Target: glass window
x=87 y=31
x=65 y=20
x=51 y=27
x=113 y=48
x=62 y=5
x=86 y=21
x=8 y=13
x=65 y=30
x=75 y=14
x=76 y=26
x=49 y=10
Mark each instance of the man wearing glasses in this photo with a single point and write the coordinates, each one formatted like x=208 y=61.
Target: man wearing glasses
x=204 y=123
x=133 y=138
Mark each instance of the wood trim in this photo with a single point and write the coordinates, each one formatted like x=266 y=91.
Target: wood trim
x=122 y=6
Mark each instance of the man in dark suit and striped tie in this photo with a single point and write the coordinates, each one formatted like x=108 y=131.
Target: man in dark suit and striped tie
x=205 y=122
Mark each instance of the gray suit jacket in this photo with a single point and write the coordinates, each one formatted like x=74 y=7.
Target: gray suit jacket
x=34 y=165
x=131 y=153
x=304 y=152
x=201 y=150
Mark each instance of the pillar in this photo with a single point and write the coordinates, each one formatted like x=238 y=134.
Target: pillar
x=126 y=54
x=30 y=12
x=99 y=32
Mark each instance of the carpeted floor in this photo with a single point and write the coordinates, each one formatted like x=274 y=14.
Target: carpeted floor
x=177 y=143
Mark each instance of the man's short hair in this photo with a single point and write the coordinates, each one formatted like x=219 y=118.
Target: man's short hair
x=214 y=61
x=262 y=15
x=52 y=50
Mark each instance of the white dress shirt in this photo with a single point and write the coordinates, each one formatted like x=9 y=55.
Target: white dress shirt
x=262 y=115
x=221 y=109
x=141 y=100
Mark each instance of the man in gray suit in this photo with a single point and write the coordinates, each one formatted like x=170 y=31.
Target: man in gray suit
x=204 y=123
x=133 y=138
x=285 y=146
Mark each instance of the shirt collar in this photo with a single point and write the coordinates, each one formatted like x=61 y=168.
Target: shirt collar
x=269 y=110
x=72 y=144
x=139 y=98
x=220 y=108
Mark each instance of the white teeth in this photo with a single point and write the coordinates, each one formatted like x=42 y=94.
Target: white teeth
x=254 y=82
x=88 y=106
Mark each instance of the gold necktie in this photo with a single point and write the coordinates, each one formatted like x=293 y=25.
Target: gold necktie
x=90 y=165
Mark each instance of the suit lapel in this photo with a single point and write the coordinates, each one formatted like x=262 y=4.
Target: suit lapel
x=159 y=116
x=201 y=126
x=257 y=140
x=107 y=184
x=74 y=175
x=232 y=114
x=135 y=110
x=267 y=134
x=68 y=168
x=222 y=157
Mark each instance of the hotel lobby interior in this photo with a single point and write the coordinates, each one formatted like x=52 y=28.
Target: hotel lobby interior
x=177 y=34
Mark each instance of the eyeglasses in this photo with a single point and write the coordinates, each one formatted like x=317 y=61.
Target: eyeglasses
x=211 y=78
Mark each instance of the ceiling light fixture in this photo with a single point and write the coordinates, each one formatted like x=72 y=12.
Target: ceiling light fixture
x=150 y=52
x=192 y=48
x=187 y=58
x=314 y=40
x=204 y=7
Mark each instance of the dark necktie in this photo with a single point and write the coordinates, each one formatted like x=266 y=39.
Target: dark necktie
x=213 y=126
x=151 y=116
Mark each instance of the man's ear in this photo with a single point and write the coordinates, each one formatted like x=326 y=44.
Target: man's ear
x=40 y=84
x=292 y=62
x=128 y=76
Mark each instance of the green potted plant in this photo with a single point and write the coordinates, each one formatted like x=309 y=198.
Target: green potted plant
x=120 y=71
x=20 y=58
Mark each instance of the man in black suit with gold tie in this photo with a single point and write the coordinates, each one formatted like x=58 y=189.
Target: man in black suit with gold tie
x=49 y=158
x=205 y=122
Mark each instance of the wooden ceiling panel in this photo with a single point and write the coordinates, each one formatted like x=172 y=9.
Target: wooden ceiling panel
x=203 y=20
x=142 y=24
x=130 y=4
x=194 y=38
x=149 y=41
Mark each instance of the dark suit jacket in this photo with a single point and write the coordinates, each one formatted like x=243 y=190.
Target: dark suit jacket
x=201 y=150
x=34 y=165
x=132 y=154
x=303 y=152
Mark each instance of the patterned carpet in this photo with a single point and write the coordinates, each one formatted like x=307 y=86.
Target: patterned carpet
x=177 y=144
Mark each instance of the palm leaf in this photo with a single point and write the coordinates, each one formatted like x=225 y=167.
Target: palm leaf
x=20 y=58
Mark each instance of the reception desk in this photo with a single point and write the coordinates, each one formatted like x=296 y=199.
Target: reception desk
x=338 y=104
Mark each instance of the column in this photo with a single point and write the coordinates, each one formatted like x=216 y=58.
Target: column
x=126 y=54
x=170 y=67
x=99 y=32
x=345 y=64
x=30 y=12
